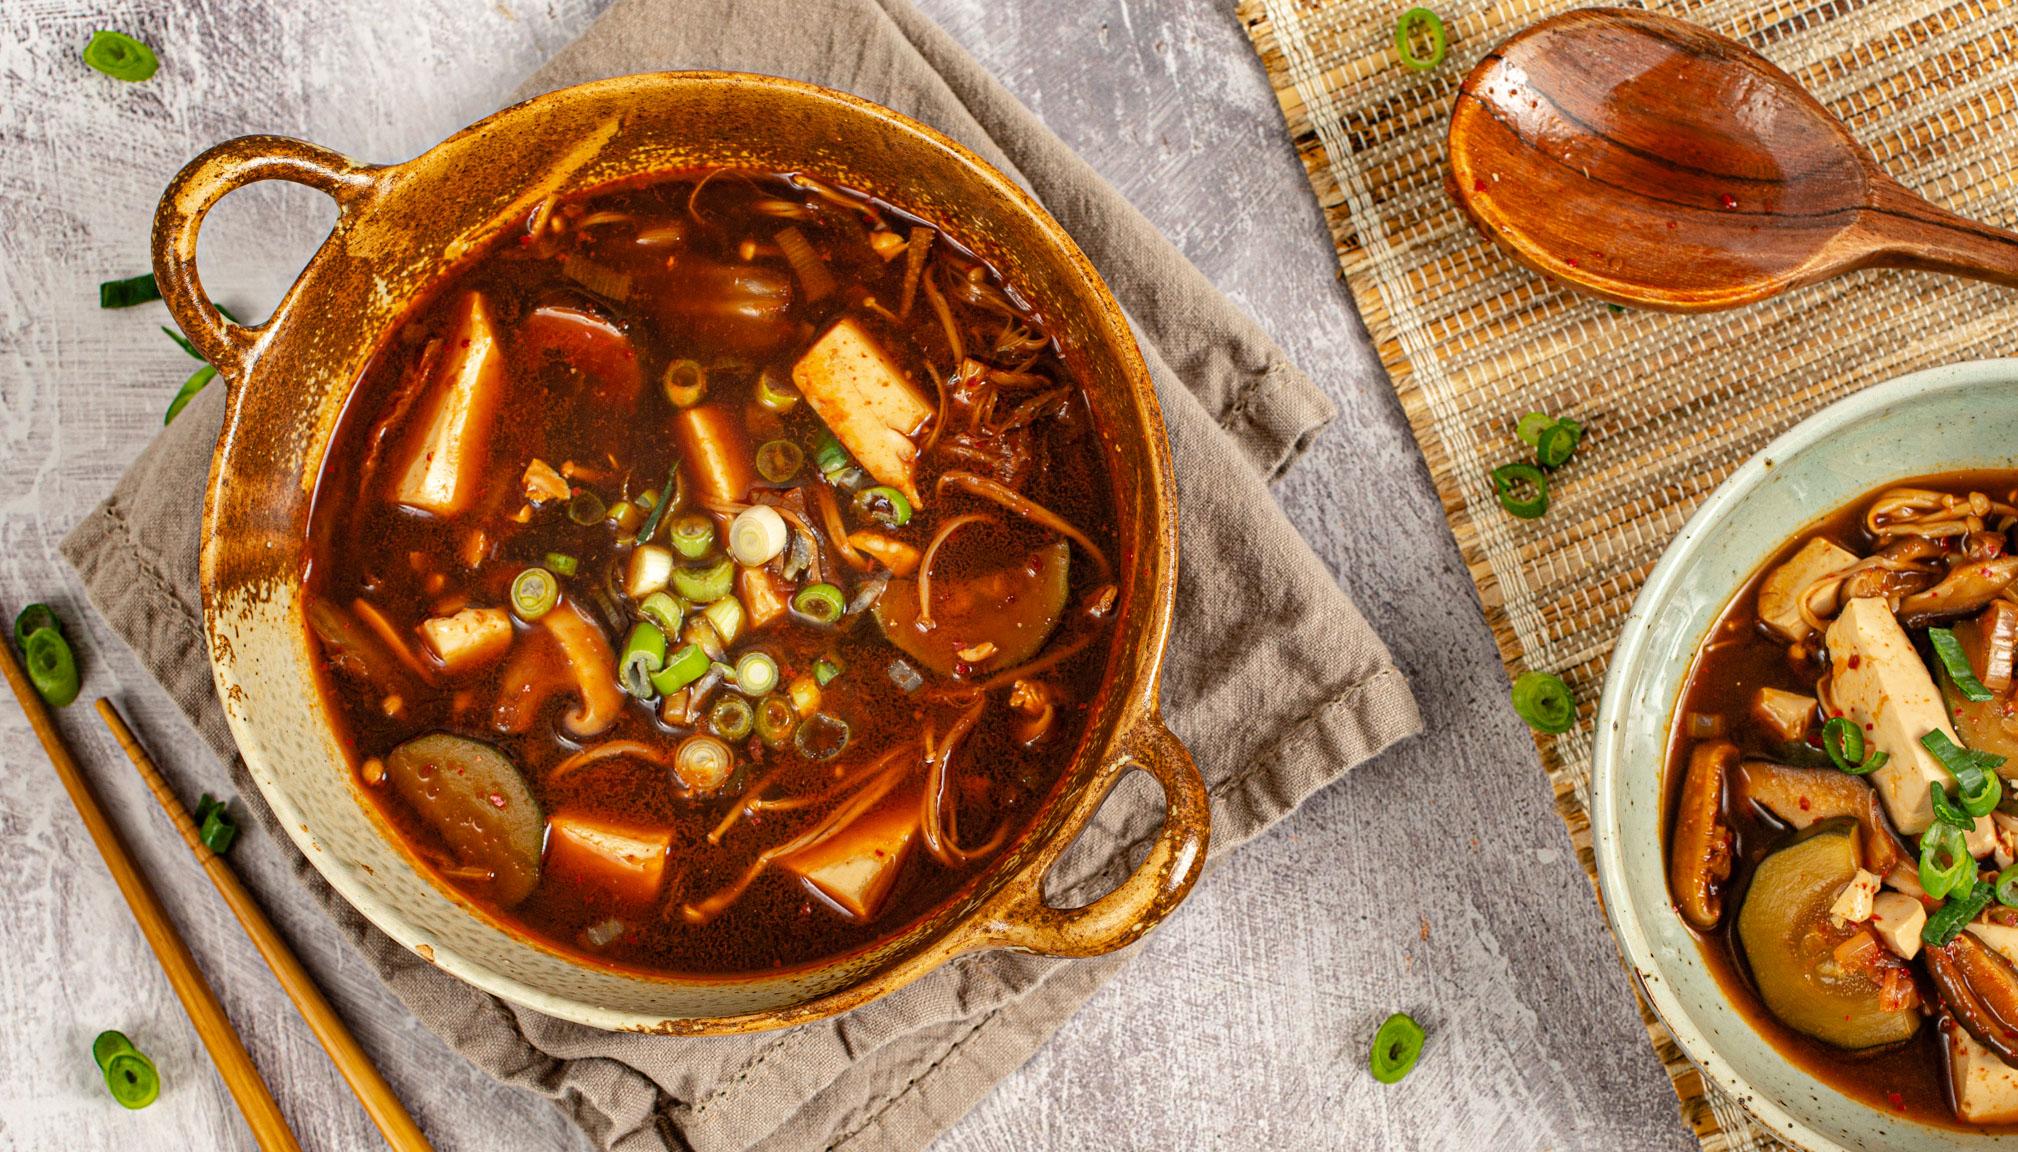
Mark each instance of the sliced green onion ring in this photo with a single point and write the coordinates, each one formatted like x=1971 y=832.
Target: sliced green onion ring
x=1977 y=785
x=1945 y=863
x=1946 y=922
x=775 y=392
x=563 y=563
x=52 y=667
x=820 y=603
x=216 y=828
x=1396 y=1047
x=885 y=504
x=1427 y=22
x=120 y=56
x=779 y=460
x=1558 y=441
x=663 y=610
x=1947 y=811
x=692 y=536
x=33 y=619
x=707 y=583
x=129 y=1075
x=681 y=668
x=703 y=763
x=825 y=670
x=2007 y=887
x=821 y=736
x=1956 y=663
x=756 y=674
x=1544 y=701
x=587 y=509
x=1844 y=743
x=828 y=455
x=1532 y=426
x=731 y=717
x=686 y=383
x=535 y=591
x=776 y=718
x=644 y=654
x=1508 y=481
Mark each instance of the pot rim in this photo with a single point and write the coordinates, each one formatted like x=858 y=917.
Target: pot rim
x=1005 y=911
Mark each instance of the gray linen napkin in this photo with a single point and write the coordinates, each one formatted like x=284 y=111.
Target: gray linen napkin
x=1274 y=679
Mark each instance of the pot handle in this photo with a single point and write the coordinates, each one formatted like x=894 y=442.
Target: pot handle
x=1021 y=919
x=196 y=190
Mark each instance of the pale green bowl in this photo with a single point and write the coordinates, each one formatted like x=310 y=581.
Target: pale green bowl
x=1961 y=416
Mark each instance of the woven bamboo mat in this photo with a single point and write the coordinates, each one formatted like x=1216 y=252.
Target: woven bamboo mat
x=1671 y=403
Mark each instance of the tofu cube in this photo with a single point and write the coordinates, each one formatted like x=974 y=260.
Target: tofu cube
x=1881 y=685
x=1898 y=919
x=1985 y=1088
x=868 y=402
x=1854 y=903
x=617 y=859
x=1779 y=606
x=445 y=462
x=855 y=869
x=1786 y=714
x=469 y=639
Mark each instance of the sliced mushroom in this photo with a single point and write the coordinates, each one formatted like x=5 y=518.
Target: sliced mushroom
x=1991 y=642
x=1801 y=797
x=1965 y=589
x=566 y=651
x=1700 y=855
x=1980 y=988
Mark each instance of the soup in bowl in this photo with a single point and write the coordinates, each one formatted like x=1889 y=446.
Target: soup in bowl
x=700 y=583
x=1798 y=792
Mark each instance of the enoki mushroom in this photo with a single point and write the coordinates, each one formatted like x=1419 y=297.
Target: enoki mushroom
x=858 y=805
x=940 y=825
x=925 y=621
x=1027 y=508
x=1925 y=512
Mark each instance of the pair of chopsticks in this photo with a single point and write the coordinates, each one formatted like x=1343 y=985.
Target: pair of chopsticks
x=234 y=1064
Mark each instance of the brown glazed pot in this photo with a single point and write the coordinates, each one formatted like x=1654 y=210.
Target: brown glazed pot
x=399 y=228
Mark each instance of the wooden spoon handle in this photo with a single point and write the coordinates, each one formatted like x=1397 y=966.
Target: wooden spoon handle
x=1905 y=230
x=213 y=1027
x=380 y=1102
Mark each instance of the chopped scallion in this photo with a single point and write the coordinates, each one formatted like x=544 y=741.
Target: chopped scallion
x=685 y=383
x=778 y=461
x=563 y=563
x=825 y=670
x=1396 y=1047
x=731 y=717
x=1844 y=743
x=663 y=610
x=52 y=666
x=120 y=56
x=534 y=593
x=885 y=504
x=1532 y=426
x=129 y=1075
x=681 y=668
x=756 y=674
x=692 y=536
x=1955 y=662
x=1544 y=701
x=644 y=654
x=776 y=719
x=1946 y=922
x=1522 y=489
x=188 y=391
x=1428 y=24
x=127 y=293
x=820 y=603
x=1945 y=864
x=1947 y=811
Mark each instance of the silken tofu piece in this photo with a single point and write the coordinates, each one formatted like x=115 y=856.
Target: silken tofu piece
x=469 y=639
x=612 y=857
x=1779 y=608
x=855 y=868
x=446 y=459
x=1986 y=1088
x=1881 y=685
x=868 y=402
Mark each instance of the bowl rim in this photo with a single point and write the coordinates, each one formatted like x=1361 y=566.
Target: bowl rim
x=1137 y=713
x=1607 y=846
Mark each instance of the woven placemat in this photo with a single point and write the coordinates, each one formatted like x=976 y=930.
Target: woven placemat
x=1672 y=403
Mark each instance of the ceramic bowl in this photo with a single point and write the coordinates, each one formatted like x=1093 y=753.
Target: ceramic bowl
x=399 y=227
x=1955 y=417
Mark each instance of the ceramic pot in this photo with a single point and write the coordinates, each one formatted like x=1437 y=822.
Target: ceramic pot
x=399 y=228
x=1939 y=420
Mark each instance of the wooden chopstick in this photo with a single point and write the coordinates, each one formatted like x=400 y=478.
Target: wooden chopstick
x=262 y=1115
x=378 y=1098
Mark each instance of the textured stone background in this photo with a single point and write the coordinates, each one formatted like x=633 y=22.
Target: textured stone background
x=1436 y=879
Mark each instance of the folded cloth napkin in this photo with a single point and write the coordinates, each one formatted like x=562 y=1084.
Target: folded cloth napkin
x=1274 y=681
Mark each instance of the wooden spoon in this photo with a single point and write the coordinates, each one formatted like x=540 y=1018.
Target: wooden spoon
x=1648 y=161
